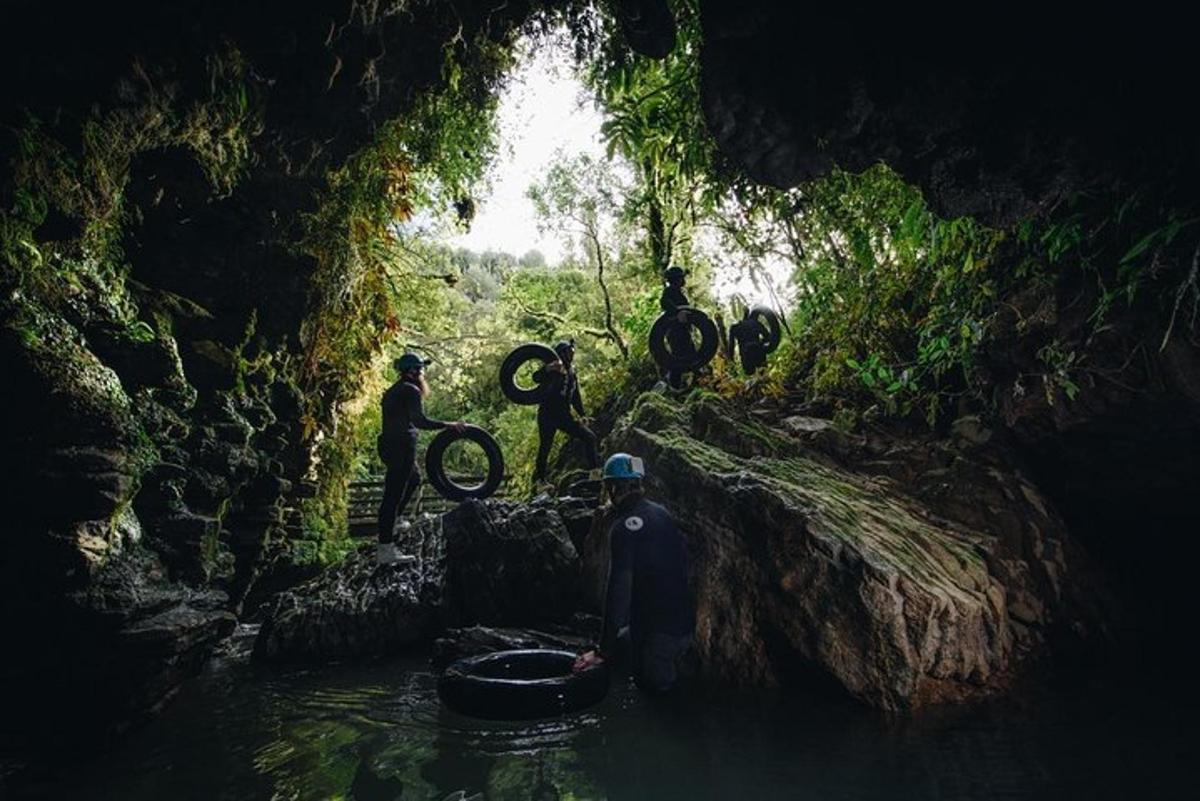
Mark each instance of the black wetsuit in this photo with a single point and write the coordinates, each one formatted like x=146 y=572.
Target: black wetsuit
x=554 y=414
x=648 y=593
x=751 y=338
x=679 y=337
x=402 y=416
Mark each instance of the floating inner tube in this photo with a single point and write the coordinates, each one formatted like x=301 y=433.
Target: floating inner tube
x=513 y=362
x=521 y=685
x=436 y=470
x=769 y=320
x=683 y=362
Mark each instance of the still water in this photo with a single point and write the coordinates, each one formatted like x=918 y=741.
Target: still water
x=376 y=732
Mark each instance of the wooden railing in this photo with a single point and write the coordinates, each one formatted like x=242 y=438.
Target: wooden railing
x=365 y=497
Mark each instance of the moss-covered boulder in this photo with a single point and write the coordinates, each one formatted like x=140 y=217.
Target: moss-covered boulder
x=805 y=556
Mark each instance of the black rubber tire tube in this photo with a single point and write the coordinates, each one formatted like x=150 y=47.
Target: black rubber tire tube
x=709 y=340
x=521 y=685
x=436 y=470
x=512 y=363
x=769 y=320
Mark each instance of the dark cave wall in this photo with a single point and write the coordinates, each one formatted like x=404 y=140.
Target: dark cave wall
x=159 y=419
x=1008 y=114
x=165 y=165
x=996 y=113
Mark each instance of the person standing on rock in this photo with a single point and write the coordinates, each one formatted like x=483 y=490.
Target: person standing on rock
x=679 y=338
x=750 y=337
x=554 y=413
x=648 y=609
x=403 y=415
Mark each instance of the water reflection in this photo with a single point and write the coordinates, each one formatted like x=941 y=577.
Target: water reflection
x=377 y=733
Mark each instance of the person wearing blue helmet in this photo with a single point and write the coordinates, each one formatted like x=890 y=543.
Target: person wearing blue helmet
x=648 y=608
x=403 y=416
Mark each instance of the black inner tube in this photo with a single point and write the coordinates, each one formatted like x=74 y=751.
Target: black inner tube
x=700 y=356
x=769 y=320
x=533 y=351
x=436 y=469
x=521 y=685
x=525 y=665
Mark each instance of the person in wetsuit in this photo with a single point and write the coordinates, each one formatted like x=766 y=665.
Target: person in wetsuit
x=679 y=337
x=403 y=415
x=751 y=338
x=554 y=413
x=648 y=606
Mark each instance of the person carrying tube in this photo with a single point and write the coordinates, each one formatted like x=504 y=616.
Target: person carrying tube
x=679 y=338
x=648 y=609
x=750 y=336
x=403 y=416
x=554 y=413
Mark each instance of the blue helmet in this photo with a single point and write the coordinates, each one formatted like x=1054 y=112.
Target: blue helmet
x=623 y=466
x=409 y=361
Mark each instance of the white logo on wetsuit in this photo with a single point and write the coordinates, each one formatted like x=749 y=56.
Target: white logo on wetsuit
x=634 y=523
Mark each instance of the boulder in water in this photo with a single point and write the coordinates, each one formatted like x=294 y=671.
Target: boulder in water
x=905 y=580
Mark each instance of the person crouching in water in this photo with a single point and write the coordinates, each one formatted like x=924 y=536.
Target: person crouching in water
x=403 y=415
x=679 y=337
x=648 y=605
x=554 y=413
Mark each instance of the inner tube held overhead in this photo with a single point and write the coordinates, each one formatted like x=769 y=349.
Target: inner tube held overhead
x=525 y=396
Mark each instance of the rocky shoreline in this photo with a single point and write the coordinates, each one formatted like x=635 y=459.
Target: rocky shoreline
x=909 y=573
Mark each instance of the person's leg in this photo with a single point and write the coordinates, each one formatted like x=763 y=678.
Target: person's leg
x=657 y=662
x=410 y=475
x=393 y=489
x=579 y=431
x=546 y=428
x=753 y=359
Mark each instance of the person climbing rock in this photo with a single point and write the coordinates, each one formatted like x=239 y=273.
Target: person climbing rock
x=679 y=339
x=750 y=337
x=648 y=607
x=554 y=413
x=403 y=415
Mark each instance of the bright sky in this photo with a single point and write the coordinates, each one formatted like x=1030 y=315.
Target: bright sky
x=543 y=110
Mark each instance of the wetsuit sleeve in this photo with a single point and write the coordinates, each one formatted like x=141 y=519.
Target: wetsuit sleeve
x=619 y=595
x=672 y=299
x=416 y=412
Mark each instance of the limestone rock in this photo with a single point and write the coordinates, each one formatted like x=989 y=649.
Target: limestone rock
x=803 y=558
x=509 y=564
x=492 y=563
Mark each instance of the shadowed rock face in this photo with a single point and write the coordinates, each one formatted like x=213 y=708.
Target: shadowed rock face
x=490 y=563
x=809 y=556
x=994 y=114
x=151 y=456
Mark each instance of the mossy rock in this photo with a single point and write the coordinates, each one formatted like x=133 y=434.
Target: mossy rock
x=797 y=559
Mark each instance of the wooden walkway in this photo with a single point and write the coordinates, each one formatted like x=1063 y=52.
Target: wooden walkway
x=365 y=497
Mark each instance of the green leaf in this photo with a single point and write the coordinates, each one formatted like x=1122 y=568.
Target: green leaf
x=1142 y=246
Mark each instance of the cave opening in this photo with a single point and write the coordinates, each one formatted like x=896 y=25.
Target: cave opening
x=222 y=224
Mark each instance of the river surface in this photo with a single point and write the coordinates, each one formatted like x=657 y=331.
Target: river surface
x=376 y=732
